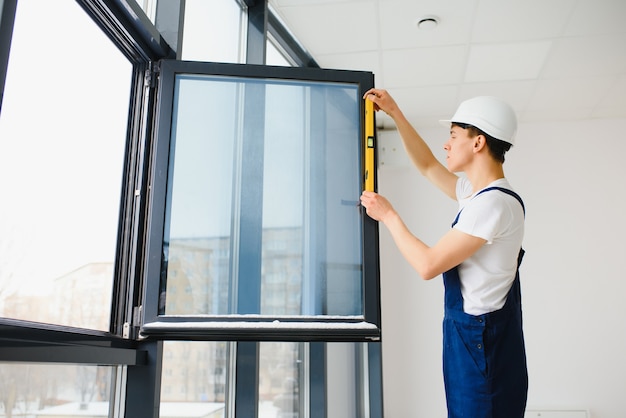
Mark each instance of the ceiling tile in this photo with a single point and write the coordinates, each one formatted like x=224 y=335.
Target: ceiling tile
x=330 y=28
x=556 y=114
x=569 y=94
x=426 y=106
x=597 y=17
x=509 y=21
x=519 y=61
x=596 y=55
x=423 y=66
x=613 y=104
x=515 y=93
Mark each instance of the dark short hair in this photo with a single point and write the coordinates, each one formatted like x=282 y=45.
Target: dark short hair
x=497 y=148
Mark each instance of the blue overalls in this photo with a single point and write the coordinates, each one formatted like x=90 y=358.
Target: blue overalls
x=484 y=358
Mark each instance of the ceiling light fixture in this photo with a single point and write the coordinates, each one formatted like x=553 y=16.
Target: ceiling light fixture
x=427 y=23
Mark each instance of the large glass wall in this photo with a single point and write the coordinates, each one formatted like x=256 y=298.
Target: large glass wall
x=63 y=141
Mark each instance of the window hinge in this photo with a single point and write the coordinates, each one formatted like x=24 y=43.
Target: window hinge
x=137 y=315
x=130 y=330
x=152 y=74
x=126 y=331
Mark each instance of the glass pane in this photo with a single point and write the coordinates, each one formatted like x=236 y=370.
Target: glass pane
x=347 y=380
x=62 y=144
x=194 y=379
x=55 y=390
x=291 y=146
x=212 y=31
x=281 y=369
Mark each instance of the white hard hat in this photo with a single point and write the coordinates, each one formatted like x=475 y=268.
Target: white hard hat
x=489 y=114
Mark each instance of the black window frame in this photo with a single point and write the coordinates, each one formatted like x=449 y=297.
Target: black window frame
x=246 y=327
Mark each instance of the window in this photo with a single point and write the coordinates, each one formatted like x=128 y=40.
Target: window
x=258 y=212
x=62 y=148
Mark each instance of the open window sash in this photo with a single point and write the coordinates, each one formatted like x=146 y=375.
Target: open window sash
x=255 y=230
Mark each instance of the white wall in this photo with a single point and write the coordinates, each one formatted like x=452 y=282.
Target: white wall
x=572 y=177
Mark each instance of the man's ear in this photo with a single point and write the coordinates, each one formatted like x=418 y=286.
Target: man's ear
x=479 y=142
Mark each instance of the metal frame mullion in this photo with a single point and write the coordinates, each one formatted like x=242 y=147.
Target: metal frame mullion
x=143 y=384
x=375 y=379
x=256 y=32
x=246 y=380
x=169 y=21
x=317 y=384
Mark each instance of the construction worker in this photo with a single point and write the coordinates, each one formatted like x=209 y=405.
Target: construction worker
x=484 y=358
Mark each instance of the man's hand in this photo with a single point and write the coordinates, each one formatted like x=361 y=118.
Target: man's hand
x=377 y=206
x=382 y=101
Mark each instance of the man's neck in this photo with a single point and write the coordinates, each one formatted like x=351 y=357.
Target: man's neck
x=484 y=175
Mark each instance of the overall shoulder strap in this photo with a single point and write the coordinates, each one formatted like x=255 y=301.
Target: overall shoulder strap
x=507 y=191
x=520 y=256
x=502 y=189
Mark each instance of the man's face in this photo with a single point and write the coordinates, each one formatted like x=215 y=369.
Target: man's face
x=459 y=149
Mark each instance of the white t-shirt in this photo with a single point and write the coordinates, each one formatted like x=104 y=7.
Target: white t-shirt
x=497 y=217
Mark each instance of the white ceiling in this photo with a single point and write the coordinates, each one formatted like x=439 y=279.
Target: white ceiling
x=552 y=60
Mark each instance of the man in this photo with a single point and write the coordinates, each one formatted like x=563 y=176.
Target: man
x=484 y=359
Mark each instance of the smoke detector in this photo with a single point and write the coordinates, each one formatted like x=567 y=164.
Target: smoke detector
x=427 y=23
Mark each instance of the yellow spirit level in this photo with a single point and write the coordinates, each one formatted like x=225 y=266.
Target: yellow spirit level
x=369 y=145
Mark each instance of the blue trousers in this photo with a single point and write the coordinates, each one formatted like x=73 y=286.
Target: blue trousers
x=484 y=365
x=484 y=357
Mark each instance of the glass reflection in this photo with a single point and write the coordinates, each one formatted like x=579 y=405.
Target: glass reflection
x=194 y=377
x=281 y=375
x=42 y=390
